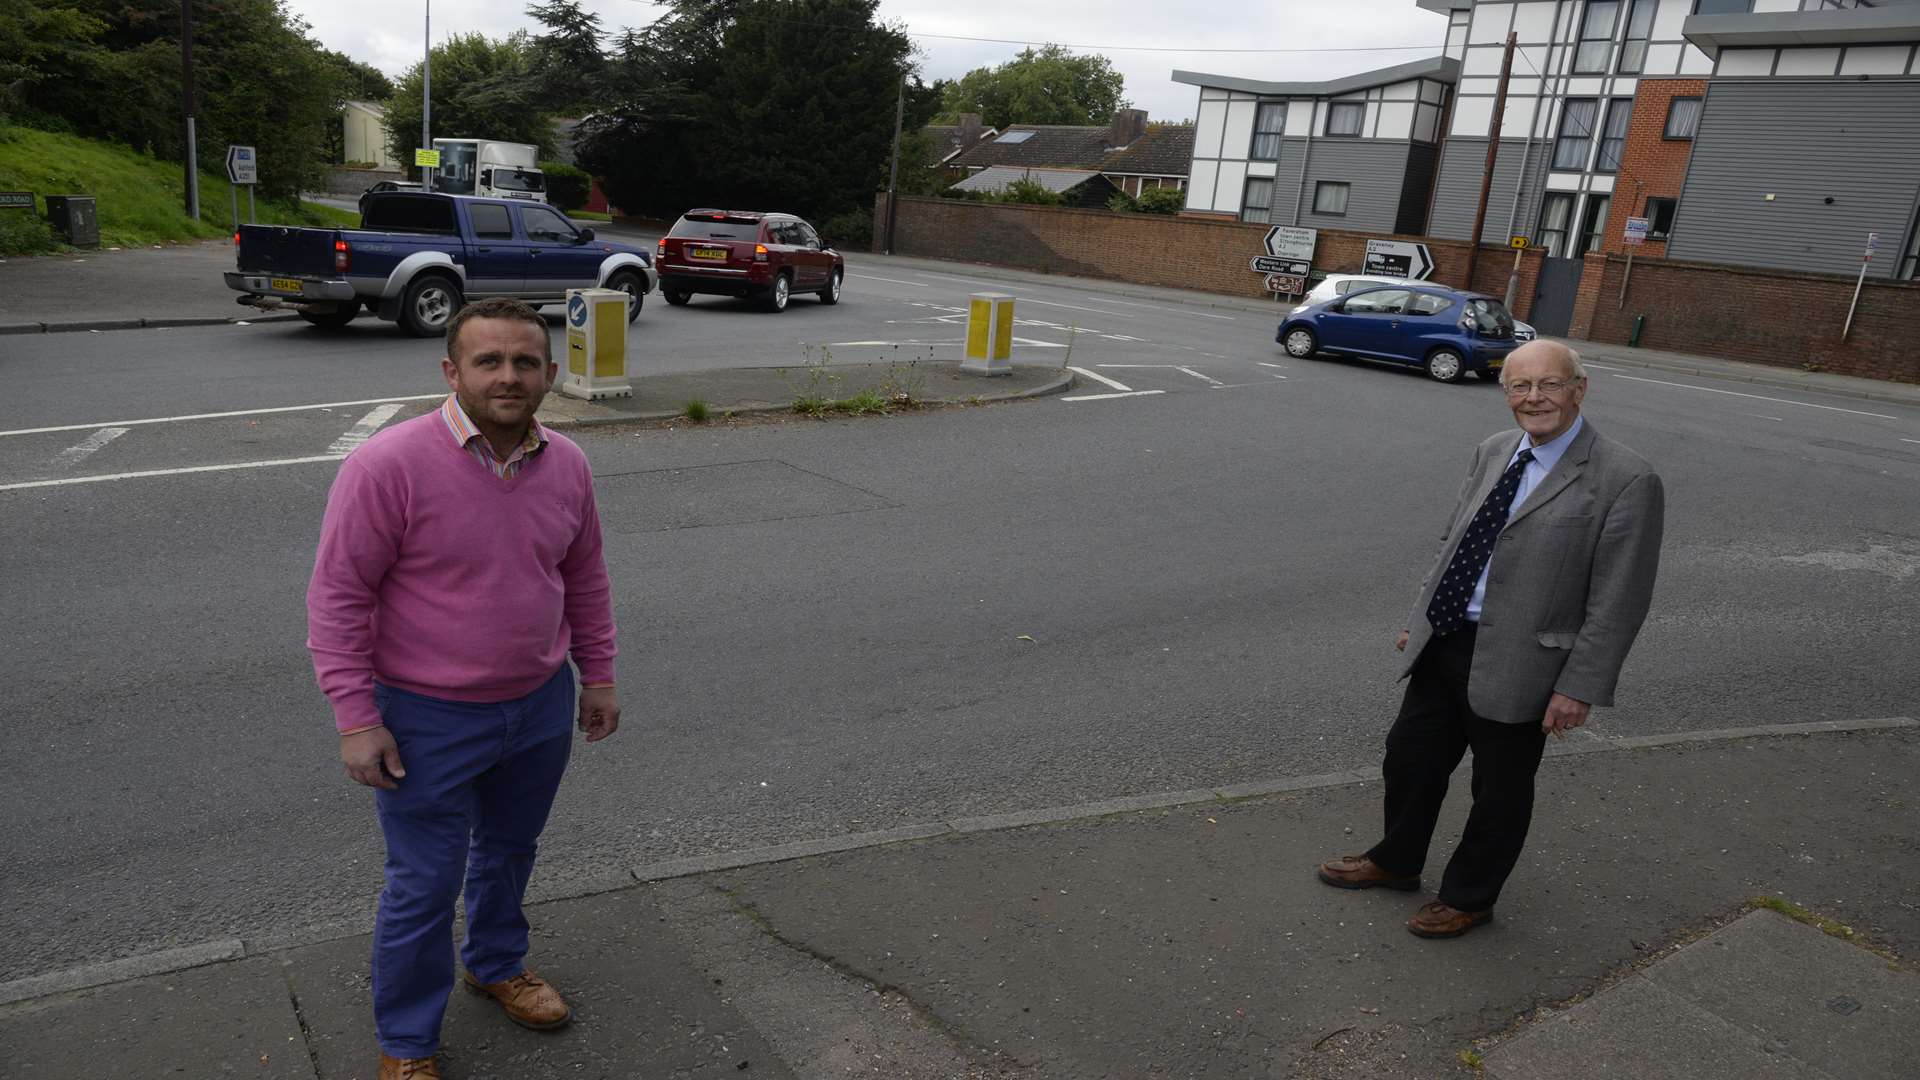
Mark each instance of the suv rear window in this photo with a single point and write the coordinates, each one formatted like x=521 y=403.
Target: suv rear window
x=409 y=213
x=707 y=228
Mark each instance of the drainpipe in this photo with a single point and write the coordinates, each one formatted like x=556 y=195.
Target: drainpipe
x=1306 y=155
x=1526 y=151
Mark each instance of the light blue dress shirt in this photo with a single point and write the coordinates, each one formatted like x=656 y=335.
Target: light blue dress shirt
x=1545 y=457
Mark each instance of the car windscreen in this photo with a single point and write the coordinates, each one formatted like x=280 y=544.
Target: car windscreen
x=723 y=229
x=1491 y=313
x=408 y=213
x=507 y=179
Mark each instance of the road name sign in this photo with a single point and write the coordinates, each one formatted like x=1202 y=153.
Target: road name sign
x=1292 y=243
x=16 y=200
x=1268 y=264
x=1398 y=258
x=1636 y=231
x=242 y=166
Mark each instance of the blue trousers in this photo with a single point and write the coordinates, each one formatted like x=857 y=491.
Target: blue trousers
x=480 y=781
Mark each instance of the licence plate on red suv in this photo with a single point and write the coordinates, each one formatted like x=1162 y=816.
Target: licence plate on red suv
x=719 y=253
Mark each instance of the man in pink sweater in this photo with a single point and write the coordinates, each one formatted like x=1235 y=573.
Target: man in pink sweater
x=459 y=568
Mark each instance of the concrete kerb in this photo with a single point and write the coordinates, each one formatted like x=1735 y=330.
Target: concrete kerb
x=180 y=959
x=1057 y=386
x=76 y=326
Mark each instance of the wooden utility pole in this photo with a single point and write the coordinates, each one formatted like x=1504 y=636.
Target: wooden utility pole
x=893 y=173
x=1493 y=158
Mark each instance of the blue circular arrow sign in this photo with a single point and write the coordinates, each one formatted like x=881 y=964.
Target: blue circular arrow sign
x=577 y=310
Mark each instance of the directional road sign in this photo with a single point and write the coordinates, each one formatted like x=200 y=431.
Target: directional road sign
x=1398 y=258
x=1267 y=264
x=1287 y=284
x=1518 y=242
x=242 y=166
x=1289 y=242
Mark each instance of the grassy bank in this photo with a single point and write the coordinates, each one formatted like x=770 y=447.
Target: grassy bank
x=140 y=199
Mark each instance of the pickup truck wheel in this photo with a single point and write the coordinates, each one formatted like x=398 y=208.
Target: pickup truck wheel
x=676 y=297
x=778 y=296
x=628 y=282
x=831 y=294
x=429 y=303
x=341 y=315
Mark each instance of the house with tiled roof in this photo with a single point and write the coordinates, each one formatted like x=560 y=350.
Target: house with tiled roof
x=949 y=141
x=1130 y=153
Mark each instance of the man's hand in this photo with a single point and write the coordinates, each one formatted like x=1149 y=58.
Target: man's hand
x=364 y=752
x=1563 y=715
x=599 y=712
x=1401 y=641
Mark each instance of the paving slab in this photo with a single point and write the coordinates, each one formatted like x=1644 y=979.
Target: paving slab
x=641 y=1008
x=232 y=1019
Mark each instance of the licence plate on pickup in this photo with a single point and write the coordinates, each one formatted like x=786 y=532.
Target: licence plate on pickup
x=285 y=284
x=708 y=253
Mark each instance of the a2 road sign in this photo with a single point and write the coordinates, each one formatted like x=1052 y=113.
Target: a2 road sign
x=1398 y=258
x=1292 y=243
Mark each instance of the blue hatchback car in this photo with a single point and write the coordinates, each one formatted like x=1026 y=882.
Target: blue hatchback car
x=1446 y=331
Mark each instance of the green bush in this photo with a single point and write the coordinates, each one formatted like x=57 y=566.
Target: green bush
x=1164 y=200
x=1029 y=192
x=24 y=232
x=1122 y=203
x=568 y=187
x=853 y=229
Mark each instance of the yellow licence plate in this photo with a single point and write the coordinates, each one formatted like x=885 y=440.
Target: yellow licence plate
x=1496 y=363
x=707 y=253
x=285 y=284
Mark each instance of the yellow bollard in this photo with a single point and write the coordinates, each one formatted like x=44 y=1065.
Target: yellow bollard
x=596 y=344
x=989 y=335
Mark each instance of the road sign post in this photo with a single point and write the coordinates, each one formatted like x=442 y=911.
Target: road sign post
x=243 y=167
x=1636 y=234
x=1873 y=241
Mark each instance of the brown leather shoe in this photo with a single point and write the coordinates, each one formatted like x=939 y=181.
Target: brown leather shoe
x=1360 y=872
x=1437 y=920
x=527 y=999
x=393 y=1068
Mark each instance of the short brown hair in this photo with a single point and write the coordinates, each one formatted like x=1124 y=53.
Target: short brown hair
x=496 y=307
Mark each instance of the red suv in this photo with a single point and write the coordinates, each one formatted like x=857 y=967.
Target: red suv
x=747 y=253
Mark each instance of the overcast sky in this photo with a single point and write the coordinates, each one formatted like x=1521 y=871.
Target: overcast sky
x=387 y=34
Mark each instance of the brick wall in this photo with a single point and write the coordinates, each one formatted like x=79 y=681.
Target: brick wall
x=1756 y=315
x=1184 y=252
x=1652 y=165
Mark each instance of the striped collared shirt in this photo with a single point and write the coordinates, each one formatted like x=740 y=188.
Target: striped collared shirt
x=469 y=437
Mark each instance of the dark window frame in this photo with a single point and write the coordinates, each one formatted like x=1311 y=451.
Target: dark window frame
x=1624 y=105
x=572 y=236
x=1346 y=198
x=1643 y=38
x=1562 y=137
x=506 y=215
x=1666 y=131
x=1246 y=188
x=1277 y=135
x=1592 y=236
x=1654 y=231
x=1565 y=232
x=1746 y=8
x=1359 y=127
x=1582 y=41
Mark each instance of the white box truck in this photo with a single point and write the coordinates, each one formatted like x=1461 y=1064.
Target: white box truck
x=497 y=170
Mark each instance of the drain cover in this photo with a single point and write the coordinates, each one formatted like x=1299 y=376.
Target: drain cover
x=1845 y=1006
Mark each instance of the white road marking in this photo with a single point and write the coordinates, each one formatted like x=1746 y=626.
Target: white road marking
x=221 y=415
x=970 y=281
x=364 y=430
x=1758 y=397
x=1600 y=367
x=1082 y=397
x=1764 y=416
x=1101 y=379
x=80 y=451
x=1263 y=363
x=896 y=281
x=1039 y=344
x=1071 y=307
x=1911 y=440
x=1197 y=375
x=171 y=472
x=1152 y=307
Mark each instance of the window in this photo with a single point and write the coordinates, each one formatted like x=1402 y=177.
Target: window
x=1683 y=117
x=1269 y=123
x=1722 y=7
x=491 y=221
x=1015 y=137
x=1633 y=52
x=1576 y=131
x=1556 y=215
x=1596 y=37
x=1330 y=198
x=805 y=236
x=1613 y=137
x=1659 y=215
x=1345 y=117
x=544 y=225
x=410 y=213
x=714 y=225
x=1257 y=205
x=1428 y=304
x=1593 y=224
x=1342 y=288
x=1377 y=302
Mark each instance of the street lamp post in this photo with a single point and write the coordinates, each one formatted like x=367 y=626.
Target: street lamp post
x=426 y=98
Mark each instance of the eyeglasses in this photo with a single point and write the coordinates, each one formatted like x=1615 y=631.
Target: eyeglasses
x=1548 y=387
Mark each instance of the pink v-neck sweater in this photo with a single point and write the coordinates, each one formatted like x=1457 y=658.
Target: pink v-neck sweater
x=437 y=577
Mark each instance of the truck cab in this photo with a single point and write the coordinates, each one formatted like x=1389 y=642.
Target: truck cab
x=489 y=169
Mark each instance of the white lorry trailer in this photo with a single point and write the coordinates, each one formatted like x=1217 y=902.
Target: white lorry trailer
x=494 y=170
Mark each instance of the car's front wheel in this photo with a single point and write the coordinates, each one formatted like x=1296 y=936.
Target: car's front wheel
x=831 y=294
x=1445 y=365
x=777 y=297
x=628 y=282
x=1301 y=343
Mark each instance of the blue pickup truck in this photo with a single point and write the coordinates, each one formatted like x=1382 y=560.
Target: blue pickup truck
x=418 y=256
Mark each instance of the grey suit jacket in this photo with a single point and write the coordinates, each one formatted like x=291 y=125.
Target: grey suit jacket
x=1570 y=579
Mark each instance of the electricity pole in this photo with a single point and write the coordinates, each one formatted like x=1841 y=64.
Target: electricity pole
x=186 y=90
x=1493 y=157
x=893 y=173
x=426 y=98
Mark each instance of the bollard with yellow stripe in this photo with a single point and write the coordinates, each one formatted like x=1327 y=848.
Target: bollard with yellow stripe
x=596 y=344
x=989 y=335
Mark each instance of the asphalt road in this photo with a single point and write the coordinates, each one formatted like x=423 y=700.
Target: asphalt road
x=849 y=625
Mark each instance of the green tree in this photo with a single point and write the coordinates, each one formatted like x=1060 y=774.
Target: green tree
x=1048 y=86
x=482 y=89
x=566 y=58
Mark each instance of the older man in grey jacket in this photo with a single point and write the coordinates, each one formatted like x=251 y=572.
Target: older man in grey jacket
x=1544 y=577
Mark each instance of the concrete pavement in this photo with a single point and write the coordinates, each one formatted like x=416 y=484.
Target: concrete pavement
x=1179 y=935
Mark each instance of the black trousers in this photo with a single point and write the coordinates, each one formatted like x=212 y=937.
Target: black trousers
x=1432 y=733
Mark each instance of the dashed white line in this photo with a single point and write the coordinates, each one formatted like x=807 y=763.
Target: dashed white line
x=84 y=449
x=895 y=281
x=221 y=415
x=1197 y=375
x=1263 y=363
x=364 y=430
x=1758 y=397
x=1071 y=307
x=1764 y=416
x=1089 y=397
x=1101 y=379
x=1911 y=440
x=170 y=472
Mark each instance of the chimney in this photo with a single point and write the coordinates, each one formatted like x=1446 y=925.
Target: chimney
x=969 y=130
x=1128 y=125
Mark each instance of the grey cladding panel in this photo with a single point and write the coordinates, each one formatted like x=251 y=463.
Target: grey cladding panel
x=1857 y=143
x=1374 y=172
x=1462 y=164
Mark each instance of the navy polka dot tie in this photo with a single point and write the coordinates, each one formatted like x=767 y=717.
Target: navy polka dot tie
x=1448 y=609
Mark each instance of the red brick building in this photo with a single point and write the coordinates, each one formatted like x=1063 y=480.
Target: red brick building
x=1653 y=167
